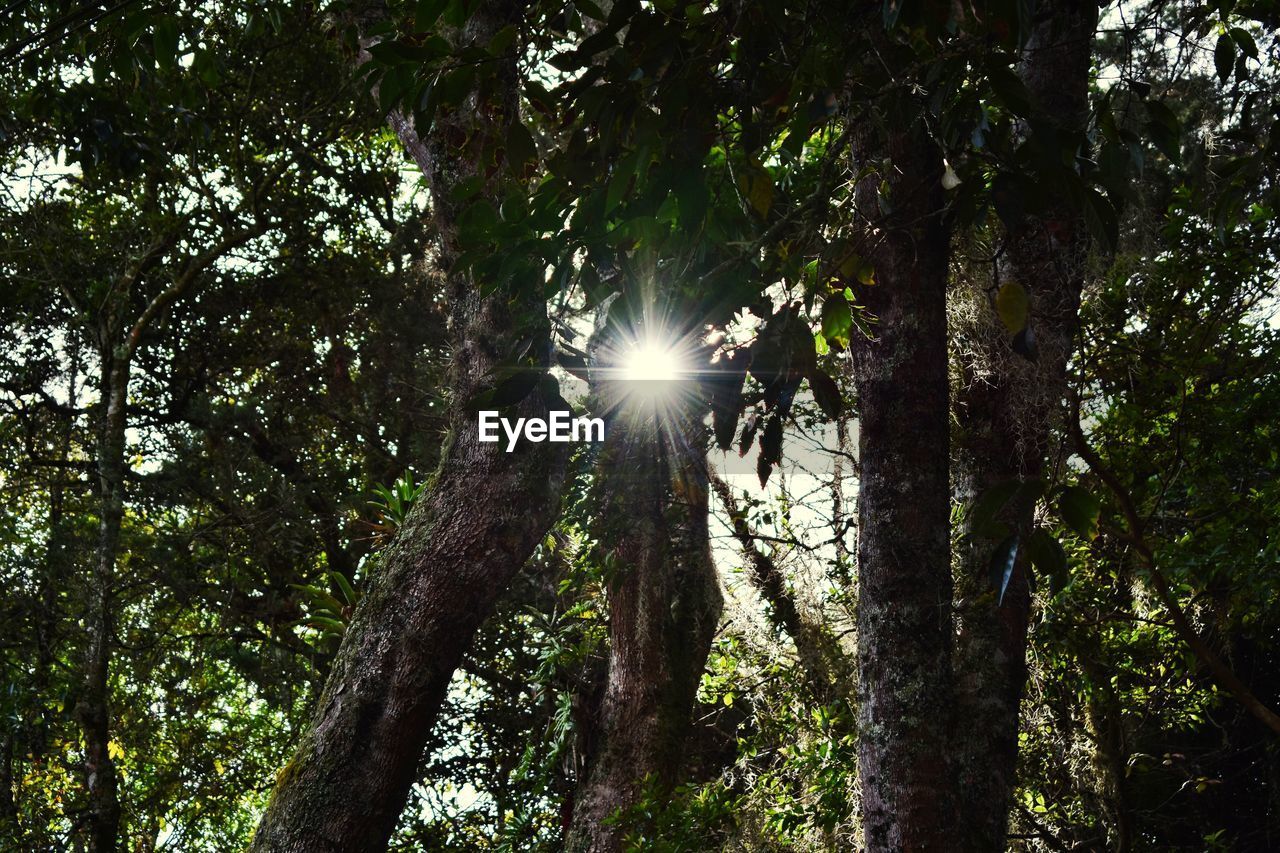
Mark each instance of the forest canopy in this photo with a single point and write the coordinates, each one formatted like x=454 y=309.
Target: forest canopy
x=936 y=348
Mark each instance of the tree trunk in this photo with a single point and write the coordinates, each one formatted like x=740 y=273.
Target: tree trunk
x=8 y=807
x=1005 y=409
x=349 y=779
x=93 y=709
x=481 y=519
x=664 y=608
x=904 y=568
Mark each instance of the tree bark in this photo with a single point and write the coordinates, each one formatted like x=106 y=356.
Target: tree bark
x=93 y=709
x=483 y=515
x=1005 y=408
x=904 y=569
x=664 y=608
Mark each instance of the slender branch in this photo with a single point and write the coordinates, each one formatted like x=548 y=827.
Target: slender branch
x=63 y=26
x=1042 y=832
x=183 y=282
x=819 y=195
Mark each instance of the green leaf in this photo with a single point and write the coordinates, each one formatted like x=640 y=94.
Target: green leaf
x=1010 y=90
x=837 y=318
x=764 y=468
x=771 y=440
x=521 y=148
x=757 y=185
x=1049 y=558
x=1002 y=562
x=620 y=181
x=427 y=12
x=476 y=222
x=393 y=86
x=770 y=448
x=748 y=436
x=456 y=12
x=570 y=60
x=1244 y=40
x=1101 y=216
x=691 y=194
x=1165 y=130
x=856 y=268
x=890 y=11
x=165 y=41
x=591 y=10
x=466 y=188
x=725 y=397
x=328 y=625
x=1080 y=510
x=319 y=598
x=1224 y=57
x=394 y=52
x=1013 y=306
x=514 y=388
x=503 y=39
x=453 y=87
x=989 y=504
x=345 y=585
x=826 y=393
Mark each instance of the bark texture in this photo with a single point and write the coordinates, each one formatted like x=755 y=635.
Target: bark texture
x=1005 y=410
x=664 y=608
x=904 y=569
x=483 y=515
x=349 y=779
x=93 y=709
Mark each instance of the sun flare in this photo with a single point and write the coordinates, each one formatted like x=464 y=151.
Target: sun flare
x=652 y=361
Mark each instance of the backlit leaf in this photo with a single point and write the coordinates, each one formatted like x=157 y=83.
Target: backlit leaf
x=1002 y=563
x=1013 y=306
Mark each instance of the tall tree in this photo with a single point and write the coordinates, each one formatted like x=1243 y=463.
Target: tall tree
x=485 y=511
x=663 y=592
x=1012 y=389
x=904 y=558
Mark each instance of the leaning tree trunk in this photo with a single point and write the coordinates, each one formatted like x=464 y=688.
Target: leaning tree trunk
x=486 y=510
x=825 y=666
x=664 y=608
x=1004 y=409
x=93 y=709
x=904 y=568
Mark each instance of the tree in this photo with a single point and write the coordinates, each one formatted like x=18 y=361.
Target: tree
x=904 y=563
x=1011 y=395
x=107 y=264
x=663 y=592
x=462 y=542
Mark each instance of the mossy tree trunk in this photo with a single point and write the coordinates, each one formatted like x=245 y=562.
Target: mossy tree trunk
x=485 y=512
x=904 y=568
x=93 y=709
x=664 y=607
x=1005 y=409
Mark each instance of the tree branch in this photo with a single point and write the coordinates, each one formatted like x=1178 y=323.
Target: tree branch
x=817 y=649
x=183 y=282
